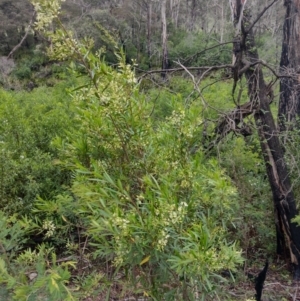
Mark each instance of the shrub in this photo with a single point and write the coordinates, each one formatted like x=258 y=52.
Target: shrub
x=144 y=205
x=246 y=168
x=189 y=47
x=23 y=72
x=149 y=208
x=28 y=123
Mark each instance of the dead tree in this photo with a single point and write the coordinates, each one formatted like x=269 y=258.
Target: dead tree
x=245 y=57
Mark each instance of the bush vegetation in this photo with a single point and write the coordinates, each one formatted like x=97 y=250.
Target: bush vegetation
x=100 y=184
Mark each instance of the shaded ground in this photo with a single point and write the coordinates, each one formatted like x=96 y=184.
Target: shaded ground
x=279 y=286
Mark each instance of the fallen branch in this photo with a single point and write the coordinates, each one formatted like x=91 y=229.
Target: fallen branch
x=210 y=68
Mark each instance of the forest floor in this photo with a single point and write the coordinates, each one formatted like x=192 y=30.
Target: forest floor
x=278 y=286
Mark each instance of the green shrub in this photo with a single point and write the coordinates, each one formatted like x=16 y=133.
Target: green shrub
x=255 y=227
x=28 y=123
x=148 y=207
x=189 y=48
x=23 y=72
x=36 y=275
x=28 y=63
x=143 y=204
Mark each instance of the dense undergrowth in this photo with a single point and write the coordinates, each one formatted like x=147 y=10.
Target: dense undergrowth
x=101 y=189
x=106 y=187
x=111 y=181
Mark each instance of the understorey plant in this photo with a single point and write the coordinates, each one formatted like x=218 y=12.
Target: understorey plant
x=152 y=212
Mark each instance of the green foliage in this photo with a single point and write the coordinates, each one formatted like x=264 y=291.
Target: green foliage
x=12 y=236
x=148 y=207
x=31 y=61
x=28 y=123
x=36 y=275
x=23 y=72
x=160 y=218
x=245 y=165
x=144 y=200
x=190 y=47
x=103 y=189
x=290 y=139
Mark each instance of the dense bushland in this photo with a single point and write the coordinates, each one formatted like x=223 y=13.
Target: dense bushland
x=137 y=198
x=106 y=175
x=112 y=178
x=105 y=183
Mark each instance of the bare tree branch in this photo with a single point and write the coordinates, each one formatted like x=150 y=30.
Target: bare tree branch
x=259 y=16
x=204 y=50
x=209 y=69
x=23 y=39
x=206 y=68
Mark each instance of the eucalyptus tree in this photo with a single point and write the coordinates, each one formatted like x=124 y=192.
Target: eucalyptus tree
x=165 y=60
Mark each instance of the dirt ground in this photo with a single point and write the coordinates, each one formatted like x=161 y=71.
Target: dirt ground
x=279 y=285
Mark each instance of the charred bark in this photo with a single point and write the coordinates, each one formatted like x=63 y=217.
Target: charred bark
x=233 y=121
x=284 y=202
x=289 y=104
x=259 y=281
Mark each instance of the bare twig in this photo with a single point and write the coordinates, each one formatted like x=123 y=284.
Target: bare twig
x=206 y=68
x=259 y=16
x=204 y=50
x=23 y=39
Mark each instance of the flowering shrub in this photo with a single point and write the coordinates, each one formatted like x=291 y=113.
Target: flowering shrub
x=147 y=207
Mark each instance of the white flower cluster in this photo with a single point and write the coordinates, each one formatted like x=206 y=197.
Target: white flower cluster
x=163 y=240
x=121 y=251
x=127 y=69
x=176 y=118
x=169 y=216
x=50 y=227
x=121 y=223
x=175 y=216
x=46 y=11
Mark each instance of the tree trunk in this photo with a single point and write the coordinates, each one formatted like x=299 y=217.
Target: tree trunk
x=165 y=60
x=193 y=15
x=289 y=104
x=285 y=207
x=149 y=25
x=174 y=9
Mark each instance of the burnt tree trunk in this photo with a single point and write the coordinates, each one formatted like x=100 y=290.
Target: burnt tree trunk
x=289 y=104
x=247 y=63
